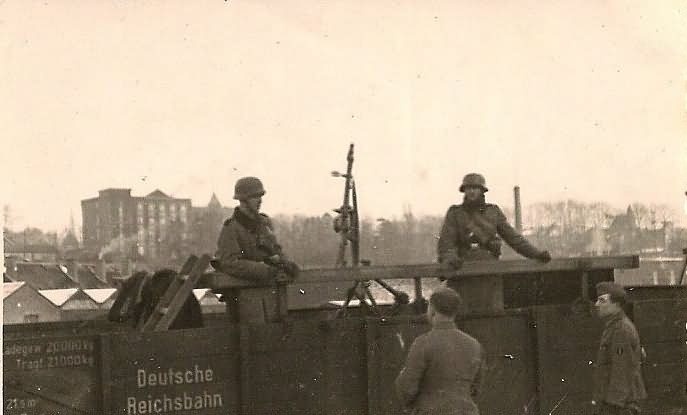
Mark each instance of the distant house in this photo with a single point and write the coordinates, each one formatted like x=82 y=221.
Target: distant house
x=87 y=275
x=40 y=276
x=23 y=304
x=625 y=236
x=120 y=224
x=58 y=296
x=32 y=252
x=73 y=304
x=104 y=297
x=80 y=306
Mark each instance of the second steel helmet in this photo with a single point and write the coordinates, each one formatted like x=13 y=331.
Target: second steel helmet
x=474 y=179
x=247 y=187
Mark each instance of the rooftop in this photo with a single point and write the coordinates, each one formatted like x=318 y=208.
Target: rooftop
x=8 y=288
x=59 y=296
x=100 y=295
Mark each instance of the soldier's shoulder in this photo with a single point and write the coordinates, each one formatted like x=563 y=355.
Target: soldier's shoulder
x=454 y=208
x=493 y=210
x=473 y=341
x=622 y=330
x=422 y=339
x=266 y=220
x=627 y=327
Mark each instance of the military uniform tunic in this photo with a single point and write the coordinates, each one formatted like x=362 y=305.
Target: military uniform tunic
x=443 y=373
x=472 y=233
x=244 y=244
x=617 y=370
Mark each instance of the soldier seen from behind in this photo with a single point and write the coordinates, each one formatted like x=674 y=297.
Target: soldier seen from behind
x=247 y=247
x=445 y=367
x=618 y=384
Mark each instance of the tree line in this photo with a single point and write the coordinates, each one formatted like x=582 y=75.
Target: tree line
x=565 y=228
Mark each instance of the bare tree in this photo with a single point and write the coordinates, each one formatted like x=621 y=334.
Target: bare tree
x=642 y=214
x=6 y=216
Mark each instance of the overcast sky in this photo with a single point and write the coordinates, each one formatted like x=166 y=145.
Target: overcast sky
x=568 y=99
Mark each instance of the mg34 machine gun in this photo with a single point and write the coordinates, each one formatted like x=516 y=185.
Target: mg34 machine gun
x=347 y=224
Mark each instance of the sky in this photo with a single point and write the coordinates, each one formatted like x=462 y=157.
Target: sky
x=569 y=100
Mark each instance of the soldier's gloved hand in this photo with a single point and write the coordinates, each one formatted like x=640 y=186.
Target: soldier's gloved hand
x=452 y=263
x=283 y=277
x=494 y=246
x=290 y=268
x=544 y=257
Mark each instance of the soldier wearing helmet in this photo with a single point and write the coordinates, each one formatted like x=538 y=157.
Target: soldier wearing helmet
x=474 y=230
x=247 y=247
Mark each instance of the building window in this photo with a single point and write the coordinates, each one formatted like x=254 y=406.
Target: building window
x=172 y=212
x=182 y=213
x=30 y=318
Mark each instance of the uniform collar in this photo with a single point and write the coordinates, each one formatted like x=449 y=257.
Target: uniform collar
x=246 y=221
x=444 y=325
x=609 y=320
x=479 y=204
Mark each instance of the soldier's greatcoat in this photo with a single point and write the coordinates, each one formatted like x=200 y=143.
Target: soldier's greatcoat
x=244 y=243
x=617 y=370
x=443 y=373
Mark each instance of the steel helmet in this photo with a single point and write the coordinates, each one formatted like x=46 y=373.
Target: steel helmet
x=247 y=187
x=474 y=179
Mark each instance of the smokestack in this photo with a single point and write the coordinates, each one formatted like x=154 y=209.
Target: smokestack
x=100 y=270
x=126 y=267
x=518 y=209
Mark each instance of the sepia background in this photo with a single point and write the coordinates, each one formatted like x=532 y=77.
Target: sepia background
x=581 y=104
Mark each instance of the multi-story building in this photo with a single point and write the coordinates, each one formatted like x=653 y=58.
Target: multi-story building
x=131 y=226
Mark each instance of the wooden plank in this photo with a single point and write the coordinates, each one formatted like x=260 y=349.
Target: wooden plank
x=283 y=366
x=561 y=328
x=665 y=377
x=163 y=305
x=566 y=348
x=130 y=349
x=654 y=292
x=52 y=375
x=469 y=269
x=183 y=371
x=105 y=371
x=58 y=329
x=345 y=366
x=179 y=296
x=665 y=352
x=661 y=320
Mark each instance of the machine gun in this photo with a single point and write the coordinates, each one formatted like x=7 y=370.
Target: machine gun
x=347 y=224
